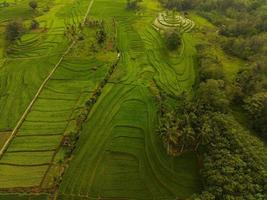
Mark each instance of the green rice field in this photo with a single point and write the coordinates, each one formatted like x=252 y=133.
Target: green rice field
x=79 y=121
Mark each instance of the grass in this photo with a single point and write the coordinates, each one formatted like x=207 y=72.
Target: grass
x=3 y=137
x=119 y=155
x=27 y=158
x=18 y=86
x=24 y=197
x=13 y=176
x=125 y=160
x=31 y=59
x=44 y=126
x=34 y=143
x=59 y=103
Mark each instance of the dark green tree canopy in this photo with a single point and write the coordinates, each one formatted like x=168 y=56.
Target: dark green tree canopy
x=14 y=30
x=173 y=40
x=33 y=4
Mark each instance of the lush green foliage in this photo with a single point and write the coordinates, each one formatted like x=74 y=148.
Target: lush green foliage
x=34 y=24
x=232 y=170
x=256 y=107
x=101 y=35
x=126 y=160
x=173 y=40
x=132 y=4
x=33 y=4
x=14 y=30
x=91 y=132
x=210 y=66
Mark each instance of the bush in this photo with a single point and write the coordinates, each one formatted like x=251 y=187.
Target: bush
x=212 y=96
x=34 y=24
x=33 y=4
x=256 y=106
x=245 y=48
x=46 y=9
x=14 y=30
x=132 y=4
x=173 y=40
x=101 y=35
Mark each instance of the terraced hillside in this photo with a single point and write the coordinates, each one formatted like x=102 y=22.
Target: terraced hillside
x=168 y=21
x=118 y=155
x=26 y=63
x=39 y=137
x=30 y=154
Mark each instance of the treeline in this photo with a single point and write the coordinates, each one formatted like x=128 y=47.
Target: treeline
x=234 y=162
x=243 y=33
x=240 y=21
x=233 y=165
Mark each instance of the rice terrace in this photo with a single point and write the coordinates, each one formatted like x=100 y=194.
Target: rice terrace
x=133 y=100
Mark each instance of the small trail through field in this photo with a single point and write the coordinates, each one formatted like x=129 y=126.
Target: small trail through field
x=19 y=123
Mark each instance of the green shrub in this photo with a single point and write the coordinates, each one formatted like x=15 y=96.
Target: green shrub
x=34 y=24
x=14 y=30
x=173 y=40
x=33 y=4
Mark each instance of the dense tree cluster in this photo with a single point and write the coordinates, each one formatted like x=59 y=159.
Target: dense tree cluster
x=173 y=40
x=14 y=30
x=247 y=48
x=233 y=160
x=185 y=128
x=243 y=25
x=243 y=31
x=210 y=66
x=249 y=92
x=177 y=4
x=232 y=170
x=182 y=129
x=256 y=106
x=233 y=165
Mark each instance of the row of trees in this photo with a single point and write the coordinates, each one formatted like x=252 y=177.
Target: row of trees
x=243 y=25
